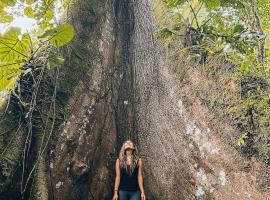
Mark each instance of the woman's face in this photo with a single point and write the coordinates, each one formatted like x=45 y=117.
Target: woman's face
x=128 y=145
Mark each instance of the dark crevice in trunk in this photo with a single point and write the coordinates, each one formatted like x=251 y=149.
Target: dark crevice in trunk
x=125 y=105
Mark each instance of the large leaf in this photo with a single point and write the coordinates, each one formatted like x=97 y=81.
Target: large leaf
x=238 y=28
x=30 y=1
x=29 y=12
x=5 y=3
x=60 y=35
x=5 y=17
x=233 y=3
x=175 y=3
x=212 y=3
x=14 y=47
x=164 y=33
x=55 y=61
x=8 y=75
x=187 y=15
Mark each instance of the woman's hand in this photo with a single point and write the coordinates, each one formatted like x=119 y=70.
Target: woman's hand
x=115 y=196
x=143 y=197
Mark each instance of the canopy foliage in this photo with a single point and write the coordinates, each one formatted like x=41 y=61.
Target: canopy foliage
x=18 y=48
x=239 y=32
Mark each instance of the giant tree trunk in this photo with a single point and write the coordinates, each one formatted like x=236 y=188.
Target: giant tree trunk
x=122 y=86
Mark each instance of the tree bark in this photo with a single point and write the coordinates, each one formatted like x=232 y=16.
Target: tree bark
x=117 y=84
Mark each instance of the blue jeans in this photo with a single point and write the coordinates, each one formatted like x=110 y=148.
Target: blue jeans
x=129 y=195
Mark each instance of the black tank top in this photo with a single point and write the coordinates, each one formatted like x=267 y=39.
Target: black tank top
x=129 y=182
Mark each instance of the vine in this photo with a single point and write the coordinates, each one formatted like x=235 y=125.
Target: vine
x=29 y=69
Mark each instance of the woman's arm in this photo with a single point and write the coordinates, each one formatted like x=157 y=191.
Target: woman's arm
x=140 y=178
x=117 y=177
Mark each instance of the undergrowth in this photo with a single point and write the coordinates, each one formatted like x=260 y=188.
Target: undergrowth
x=239 y=92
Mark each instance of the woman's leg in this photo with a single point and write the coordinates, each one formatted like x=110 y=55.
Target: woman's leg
x=123 y=195
x=136 y=195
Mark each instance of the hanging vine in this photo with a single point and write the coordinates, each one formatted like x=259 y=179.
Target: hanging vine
x=29 y=70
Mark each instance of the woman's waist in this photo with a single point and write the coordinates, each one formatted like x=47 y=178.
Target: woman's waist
x=132 y=185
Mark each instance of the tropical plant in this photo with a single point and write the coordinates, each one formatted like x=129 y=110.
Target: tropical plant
x=238 y=31
x=18 y=49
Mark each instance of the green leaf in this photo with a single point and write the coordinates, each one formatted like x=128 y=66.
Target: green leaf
x=164 y=33
x=238 y=28
x=30 y=1
x=5 y=3
x=29 y=12
x=212 y=3
x=232 y=3
x=55 y=61
x=8 y=75
x=60 y=35
x=174 y=3
x=14 y=47
x=5 y=17
x=49 y=15
x=241 y=140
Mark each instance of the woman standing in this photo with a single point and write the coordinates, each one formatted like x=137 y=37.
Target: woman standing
x=128 y=180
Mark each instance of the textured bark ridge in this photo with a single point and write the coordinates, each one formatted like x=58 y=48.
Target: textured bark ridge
x=129 y=90
x=102 y=107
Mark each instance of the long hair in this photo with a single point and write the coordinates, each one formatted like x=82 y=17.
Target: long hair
x=134 y=158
